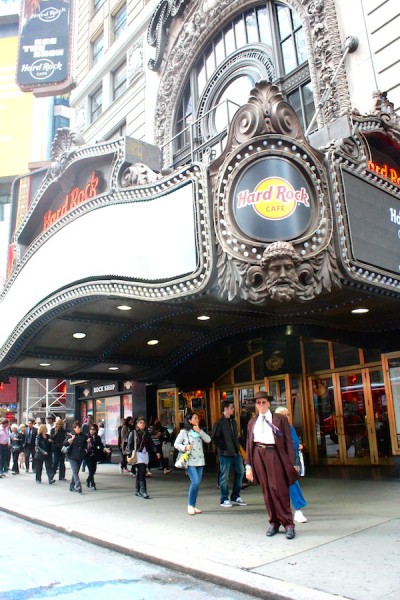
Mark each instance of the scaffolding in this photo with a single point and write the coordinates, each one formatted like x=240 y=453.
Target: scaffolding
x=41 y=397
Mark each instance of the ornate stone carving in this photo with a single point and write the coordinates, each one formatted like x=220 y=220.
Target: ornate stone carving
x=159 y=24
x=280 y=276
x=135 y=62
x=138 y=174
x=63 y=147
x=265 y=112
x=205 y=18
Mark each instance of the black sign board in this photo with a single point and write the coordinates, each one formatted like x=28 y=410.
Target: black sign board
x=281 y=354
x=271 y=200
x=374 y=222
x=44 y=44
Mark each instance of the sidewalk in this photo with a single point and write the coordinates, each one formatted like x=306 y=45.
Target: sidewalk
x=350 y=547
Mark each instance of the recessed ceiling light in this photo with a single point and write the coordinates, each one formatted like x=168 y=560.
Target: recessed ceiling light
x=44 y=364
x=124 y=307
x=360 y=311
x=113 y=368
x=203 y=318
x=152 y=342
x=79 y=335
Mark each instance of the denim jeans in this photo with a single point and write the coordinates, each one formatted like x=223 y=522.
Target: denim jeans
x=195 y=475
x=226 y=463
x=75 y=481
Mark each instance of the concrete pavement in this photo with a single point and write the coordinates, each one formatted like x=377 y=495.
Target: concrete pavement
x=349 y=548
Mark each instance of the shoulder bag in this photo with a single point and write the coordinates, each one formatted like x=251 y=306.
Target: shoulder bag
x=183 y=456
x=132 y=459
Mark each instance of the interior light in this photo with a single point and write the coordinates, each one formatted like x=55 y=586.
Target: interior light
x=113 y=368
x=360 y=311
x=44 y=364
x=79 y=335
x=152 y=342
x=203 y=318
x=124 y=307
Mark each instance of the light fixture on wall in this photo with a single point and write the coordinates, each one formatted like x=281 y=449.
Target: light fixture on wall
x=124 y=307
x=203 y=318
x=152 y=342
x=79 y=335
x=113 y=368
x=360 y=311
x=44 y=364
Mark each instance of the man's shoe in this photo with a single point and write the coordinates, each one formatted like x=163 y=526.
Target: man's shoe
x=138 y=494
x=190 y=510
x=226 y=504
x=38 y=482
x=272 y=530
x=290 y=533
x=239 y=502
x=145 y=495
x=299 y=517
x=52 y=481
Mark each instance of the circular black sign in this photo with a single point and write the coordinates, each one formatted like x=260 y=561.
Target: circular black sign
x=271 y=201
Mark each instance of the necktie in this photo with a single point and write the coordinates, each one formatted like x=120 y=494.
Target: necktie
x=274 y=428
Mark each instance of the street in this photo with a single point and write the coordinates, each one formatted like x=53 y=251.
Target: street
x=41 y=563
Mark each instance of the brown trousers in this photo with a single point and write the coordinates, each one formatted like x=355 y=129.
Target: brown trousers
x=274 y=485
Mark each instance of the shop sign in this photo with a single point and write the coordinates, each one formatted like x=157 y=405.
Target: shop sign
x=71 y=200
x=104 y=388
x=44 y=44
x=271 y=200
x=385 y=171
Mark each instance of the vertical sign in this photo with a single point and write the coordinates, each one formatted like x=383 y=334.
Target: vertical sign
x=44 y=47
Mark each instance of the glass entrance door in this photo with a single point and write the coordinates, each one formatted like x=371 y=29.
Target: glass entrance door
x=349 y=415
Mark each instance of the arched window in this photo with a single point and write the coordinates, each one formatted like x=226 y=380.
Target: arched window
x=263 y=42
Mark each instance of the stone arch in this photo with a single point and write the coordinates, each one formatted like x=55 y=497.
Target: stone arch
x=202 y=19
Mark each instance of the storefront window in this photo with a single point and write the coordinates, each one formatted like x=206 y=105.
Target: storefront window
x=326 y=429
x=317 y=356
x=126 y=405
x=166 y=409
x=394 y=372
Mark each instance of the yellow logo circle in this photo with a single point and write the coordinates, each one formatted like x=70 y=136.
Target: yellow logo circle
x=276 y=199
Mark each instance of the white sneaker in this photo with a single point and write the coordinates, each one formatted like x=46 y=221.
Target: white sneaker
x=226 y=504
x=239 y=502
x=299 y=517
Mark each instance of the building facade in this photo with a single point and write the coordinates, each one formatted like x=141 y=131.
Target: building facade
x=222 y=217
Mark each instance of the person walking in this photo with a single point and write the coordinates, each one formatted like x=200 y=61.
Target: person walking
x=225 y=436
x=141 y=439
x=190 y=439
x=95 y=451
x=76 y=454
x=126 y=429
x=296 y=495
x=44 y=454
x=30 y=442
x=17 y=446
x=270 y=462
x=58 y=435
x=4 y=446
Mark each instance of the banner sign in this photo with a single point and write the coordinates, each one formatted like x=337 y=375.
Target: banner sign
x=44 y=45
x=271 y=200
x=374 y=223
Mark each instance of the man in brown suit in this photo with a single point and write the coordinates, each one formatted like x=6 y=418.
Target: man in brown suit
x=270 y=462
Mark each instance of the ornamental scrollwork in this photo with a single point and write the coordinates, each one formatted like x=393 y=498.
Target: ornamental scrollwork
x=138 y=174
x=64 y=145
x=281 y=276
x=159 y=24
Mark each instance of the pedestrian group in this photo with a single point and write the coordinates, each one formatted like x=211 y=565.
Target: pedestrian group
x=271 y=457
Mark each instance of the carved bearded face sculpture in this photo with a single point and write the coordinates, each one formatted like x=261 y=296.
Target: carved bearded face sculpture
x=279 y=261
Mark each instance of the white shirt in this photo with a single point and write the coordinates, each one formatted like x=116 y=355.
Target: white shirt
x=262 y=432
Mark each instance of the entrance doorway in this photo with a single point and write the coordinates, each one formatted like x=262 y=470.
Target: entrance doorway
x=349 y=410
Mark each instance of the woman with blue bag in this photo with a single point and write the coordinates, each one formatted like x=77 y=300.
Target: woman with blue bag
x=296 y=495
x=190 y=440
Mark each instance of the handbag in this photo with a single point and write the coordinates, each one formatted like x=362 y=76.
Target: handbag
x=183 y=457
x=65 y=449
x=132 y=459
x=38 y=455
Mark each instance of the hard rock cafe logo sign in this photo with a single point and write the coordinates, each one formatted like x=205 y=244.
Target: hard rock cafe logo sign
x=75 y=197
x=272 y=201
